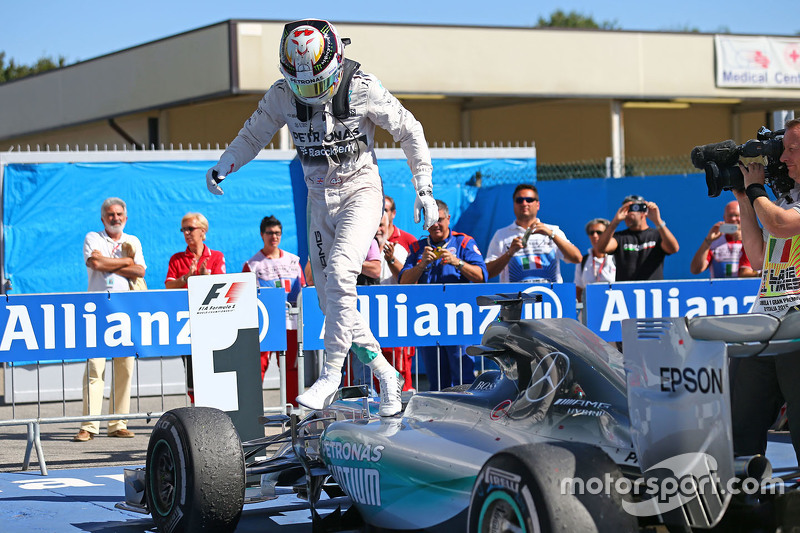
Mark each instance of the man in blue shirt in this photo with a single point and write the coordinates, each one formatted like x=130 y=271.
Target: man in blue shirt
x=444 y=256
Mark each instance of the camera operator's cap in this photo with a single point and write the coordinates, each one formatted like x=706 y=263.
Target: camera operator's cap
x=633 y=198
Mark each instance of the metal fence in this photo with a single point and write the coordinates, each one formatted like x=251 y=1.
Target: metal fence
x=602 y=168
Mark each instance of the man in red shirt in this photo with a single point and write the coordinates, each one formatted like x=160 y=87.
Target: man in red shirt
x=396 y=235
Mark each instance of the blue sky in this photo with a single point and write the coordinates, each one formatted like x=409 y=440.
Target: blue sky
x=85 y=29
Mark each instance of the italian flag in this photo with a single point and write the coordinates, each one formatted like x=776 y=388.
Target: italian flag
x=781 y=254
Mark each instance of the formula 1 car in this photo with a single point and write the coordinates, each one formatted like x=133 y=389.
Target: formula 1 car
x=563 y=436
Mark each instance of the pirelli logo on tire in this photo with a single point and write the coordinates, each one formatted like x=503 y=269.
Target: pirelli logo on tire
x=501 y=478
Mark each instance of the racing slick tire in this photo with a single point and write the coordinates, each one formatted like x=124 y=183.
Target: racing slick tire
x=195 y=471
x=520 y=489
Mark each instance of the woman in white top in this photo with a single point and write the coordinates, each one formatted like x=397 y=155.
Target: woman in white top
x=594 y=267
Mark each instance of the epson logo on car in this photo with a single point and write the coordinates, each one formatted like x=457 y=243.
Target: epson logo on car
x=703 y=380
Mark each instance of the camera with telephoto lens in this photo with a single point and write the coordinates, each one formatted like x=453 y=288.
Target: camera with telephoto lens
x=720 y=161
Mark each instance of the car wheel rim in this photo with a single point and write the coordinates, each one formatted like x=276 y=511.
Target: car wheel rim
x=162 y=478
x=501 y=514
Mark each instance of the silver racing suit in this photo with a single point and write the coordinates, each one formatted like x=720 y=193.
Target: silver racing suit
x=345 y=192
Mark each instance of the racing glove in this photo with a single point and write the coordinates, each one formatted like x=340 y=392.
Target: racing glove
x=425 y=202
x=217 y=173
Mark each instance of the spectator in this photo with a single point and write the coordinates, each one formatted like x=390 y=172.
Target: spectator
x=392 y=257
x=392 y=261
x=393 y=233
x=113 y=260
x=528 y=249
x=639 y=250
x=197 y=260
x=371 y=267
x=277 y=268
x=594 y=267
x=332 y=108
x=745 y=268
x=444 y=257
x=721 y=249
x=763 y=384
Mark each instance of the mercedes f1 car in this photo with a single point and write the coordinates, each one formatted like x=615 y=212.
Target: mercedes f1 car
x=564 y=436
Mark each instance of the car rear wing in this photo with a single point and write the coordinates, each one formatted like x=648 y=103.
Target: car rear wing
x=510 y=303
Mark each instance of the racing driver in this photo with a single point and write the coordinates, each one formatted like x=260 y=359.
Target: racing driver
x=331 y=109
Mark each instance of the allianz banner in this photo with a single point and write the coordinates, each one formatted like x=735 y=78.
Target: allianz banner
x=427 y=315
x=54 y=327
x=607 y=305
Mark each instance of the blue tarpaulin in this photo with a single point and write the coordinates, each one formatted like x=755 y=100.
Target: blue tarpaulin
x=49 y=208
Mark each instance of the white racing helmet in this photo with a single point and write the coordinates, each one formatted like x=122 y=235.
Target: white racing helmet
x=311 y=59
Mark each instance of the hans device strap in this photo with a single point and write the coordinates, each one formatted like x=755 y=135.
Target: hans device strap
x=341 y=100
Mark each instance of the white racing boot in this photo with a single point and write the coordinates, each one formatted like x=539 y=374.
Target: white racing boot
x=321 y=393
x=391 y=385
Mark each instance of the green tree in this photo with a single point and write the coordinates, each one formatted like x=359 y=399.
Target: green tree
x=13 y=71
x=573 y=19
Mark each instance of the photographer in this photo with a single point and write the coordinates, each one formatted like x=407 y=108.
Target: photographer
x=639 y=250
x=722 y=248
x=762 y=384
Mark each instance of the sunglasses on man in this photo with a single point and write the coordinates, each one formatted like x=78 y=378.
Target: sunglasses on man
x=525 y=199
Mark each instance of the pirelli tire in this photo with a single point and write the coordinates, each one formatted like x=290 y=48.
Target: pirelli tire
x=195 y=471
x=519 y=489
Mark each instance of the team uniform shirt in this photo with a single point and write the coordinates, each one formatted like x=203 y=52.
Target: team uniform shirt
x=724 y=257
x=539 y=260
x=460 y=245
x=402 y=237
x=180 y=263
x=283 y=272
x=639 y=255
x=780 y=281
x=102 y=242
x=593 y=269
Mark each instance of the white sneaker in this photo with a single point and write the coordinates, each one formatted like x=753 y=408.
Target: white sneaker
x=391 y=385
x=321 y=393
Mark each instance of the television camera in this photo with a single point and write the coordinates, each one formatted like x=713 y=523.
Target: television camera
x=720 y=161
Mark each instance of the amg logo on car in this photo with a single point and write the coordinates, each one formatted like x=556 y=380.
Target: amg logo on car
x=501 y=478
x=703 y=380
x=363 y=485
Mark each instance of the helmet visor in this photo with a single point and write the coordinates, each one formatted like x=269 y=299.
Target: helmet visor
x=318 y=91
x=312 y=90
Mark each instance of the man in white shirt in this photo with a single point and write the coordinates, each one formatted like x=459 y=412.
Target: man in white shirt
x=529 y=249
x=113 y=259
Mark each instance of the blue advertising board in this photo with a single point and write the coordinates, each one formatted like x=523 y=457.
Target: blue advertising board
x=427 y=315
x=74 y=326
x=607 y=305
